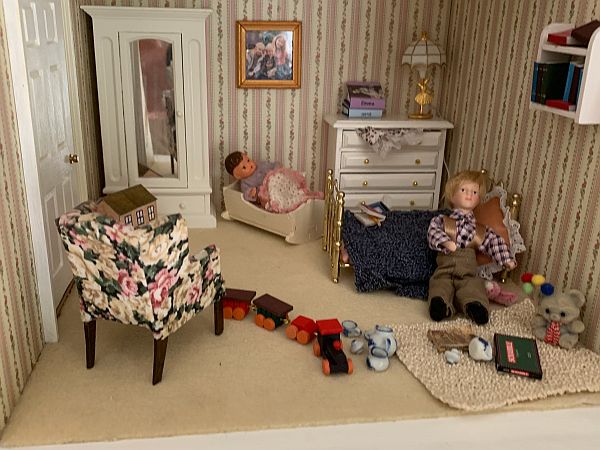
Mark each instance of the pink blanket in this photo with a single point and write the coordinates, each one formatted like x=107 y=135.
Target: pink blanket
x=283 y=190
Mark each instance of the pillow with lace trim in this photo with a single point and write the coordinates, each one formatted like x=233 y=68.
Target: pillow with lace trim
x=494 y=213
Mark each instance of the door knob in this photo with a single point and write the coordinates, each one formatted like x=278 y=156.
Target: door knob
x=73 y=159
x=179 y=114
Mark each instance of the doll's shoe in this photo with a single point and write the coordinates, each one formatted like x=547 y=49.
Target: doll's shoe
x=438 y=310
x=477 y=313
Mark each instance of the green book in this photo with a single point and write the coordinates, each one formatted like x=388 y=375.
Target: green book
x=517 y=355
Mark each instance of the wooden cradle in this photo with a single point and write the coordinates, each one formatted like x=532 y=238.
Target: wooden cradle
x=334 y=215
x=302 y=225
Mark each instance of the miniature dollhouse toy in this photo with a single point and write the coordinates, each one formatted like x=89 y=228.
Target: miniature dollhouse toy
x=236 y=303
x=132 y=206
x=302 y=329
x=271 y=312
x=329 y=346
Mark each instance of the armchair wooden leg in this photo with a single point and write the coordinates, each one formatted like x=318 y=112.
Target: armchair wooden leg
x=160 y=351
x=89 y=330
x=218 y=309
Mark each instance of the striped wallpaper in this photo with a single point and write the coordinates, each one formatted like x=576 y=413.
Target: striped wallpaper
x=342 y=40
x=20 y=316
x=491 y=47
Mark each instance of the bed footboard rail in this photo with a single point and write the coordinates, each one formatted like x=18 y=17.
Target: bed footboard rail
x=332 y=225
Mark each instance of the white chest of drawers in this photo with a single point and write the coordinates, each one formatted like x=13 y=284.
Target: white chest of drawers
x=408 y=178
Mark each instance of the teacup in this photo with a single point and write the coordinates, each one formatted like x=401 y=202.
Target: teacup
x=350 y=328
x=377 y=359
x=357 y=346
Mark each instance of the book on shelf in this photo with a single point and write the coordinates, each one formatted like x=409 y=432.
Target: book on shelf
x=365 y=95
x=550 y=81
x=561 y=104
x=563 y=38
x=357 y=112
x=573 y=77
x=583 y=33
x=517 y=355
x=576 y=85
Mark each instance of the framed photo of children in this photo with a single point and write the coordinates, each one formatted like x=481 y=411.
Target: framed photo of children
x=268 y=54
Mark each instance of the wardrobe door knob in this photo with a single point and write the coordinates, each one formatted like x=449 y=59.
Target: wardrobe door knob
x=365 y=183
x=417 y=161
x=182 y=205
x=415 y=183
x=412 y=203
x=366 y=161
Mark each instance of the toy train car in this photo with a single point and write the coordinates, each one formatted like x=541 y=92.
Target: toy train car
x=302 y=329
x=236 y=303
x=271 y=312
x=329 y=346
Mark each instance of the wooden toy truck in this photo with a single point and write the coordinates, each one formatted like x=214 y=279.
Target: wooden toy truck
x=236 y=303
x=271 y=312
x=329 y=346
x=302 y=329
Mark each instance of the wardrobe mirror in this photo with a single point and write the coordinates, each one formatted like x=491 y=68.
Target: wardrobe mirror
x=154 y=103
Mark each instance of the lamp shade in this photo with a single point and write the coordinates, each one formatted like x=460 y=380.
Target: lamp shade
x=423 y=53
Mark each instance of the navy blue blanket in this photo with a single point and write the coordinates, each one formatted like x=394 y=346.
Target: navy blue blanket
x=393 y=256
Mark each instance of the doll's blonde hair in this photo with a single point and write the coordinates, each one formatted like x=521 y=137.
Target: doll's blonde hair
x=453 y=184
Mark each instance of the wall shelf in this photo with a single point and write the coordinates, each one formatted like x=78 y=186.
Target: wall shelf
x=588 y=104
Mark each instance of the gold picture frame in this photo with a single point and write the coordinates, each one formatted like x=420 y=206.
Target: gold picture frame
x=268 y=54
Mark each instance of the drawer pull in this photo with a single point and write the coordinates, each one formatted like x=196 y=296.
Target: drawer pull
x=365 y=183
x=363 y=203
x=417 y=161
x=366 y=161
x=415 y=183
x=412 y=203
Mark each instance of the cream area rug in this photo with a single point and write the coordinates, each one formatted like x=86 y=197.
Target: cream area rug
x=476 y=386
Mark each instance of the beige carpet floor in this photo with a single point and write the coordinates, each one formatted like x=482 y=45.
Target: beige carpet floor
x=246 y=379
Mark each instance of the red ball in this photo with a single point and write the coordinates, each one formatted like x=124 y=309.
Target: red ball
x=526 y=277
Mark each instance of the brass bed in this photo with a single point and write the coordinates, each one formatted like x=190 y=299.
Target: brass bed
x=334 y=214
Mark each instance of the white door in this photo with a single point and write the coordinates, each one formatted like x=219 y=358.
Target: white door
x=43 y=42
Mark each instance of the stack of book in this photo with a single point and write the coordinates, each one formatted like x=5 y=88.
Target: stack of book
x=373 y=214
x=578 y=36
x=363 y=99
x=557 y=84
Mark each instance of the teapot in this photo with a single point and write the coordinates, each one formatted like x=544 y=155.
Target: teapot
x=382 y=337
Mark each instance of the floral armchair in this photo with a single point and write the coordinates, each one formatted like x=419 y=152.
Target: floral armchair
x=143 y=276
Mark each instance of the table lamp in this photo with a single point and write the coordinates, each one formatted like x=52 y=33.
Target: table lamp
x=420 y=55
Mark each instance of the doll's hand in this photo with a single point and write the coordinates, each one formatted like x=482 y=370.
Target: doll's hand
x=510 y=265
x=253 y=193
x=451 y=246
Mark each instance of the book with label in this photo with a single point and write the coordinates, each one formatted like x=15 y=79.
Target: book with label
x=517 y=355
x=355 y=112
x=365 y=95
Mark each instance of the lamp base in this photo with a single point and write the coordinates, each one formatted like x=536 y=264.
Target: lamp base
x=420 y=115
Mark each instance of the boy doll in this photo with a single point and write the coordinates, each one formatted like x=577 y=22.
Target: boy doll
x=455 y=285
x=250 y=173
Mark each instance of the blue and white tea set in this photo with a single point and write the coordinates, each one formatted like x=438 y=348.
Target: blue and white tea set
x=381 y=344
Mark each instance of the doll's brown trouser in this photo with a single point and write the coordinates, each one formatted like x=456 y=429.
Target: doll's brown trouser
x=456 y=281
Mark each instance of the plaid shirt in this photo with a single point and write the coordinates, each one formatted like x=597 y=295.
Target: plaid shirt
x=493 y=244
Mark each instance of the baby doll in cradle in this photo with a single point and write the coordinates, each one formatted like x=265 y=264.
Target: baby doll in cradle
x=268 y=184
x=455 y=285
x=250 y=173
